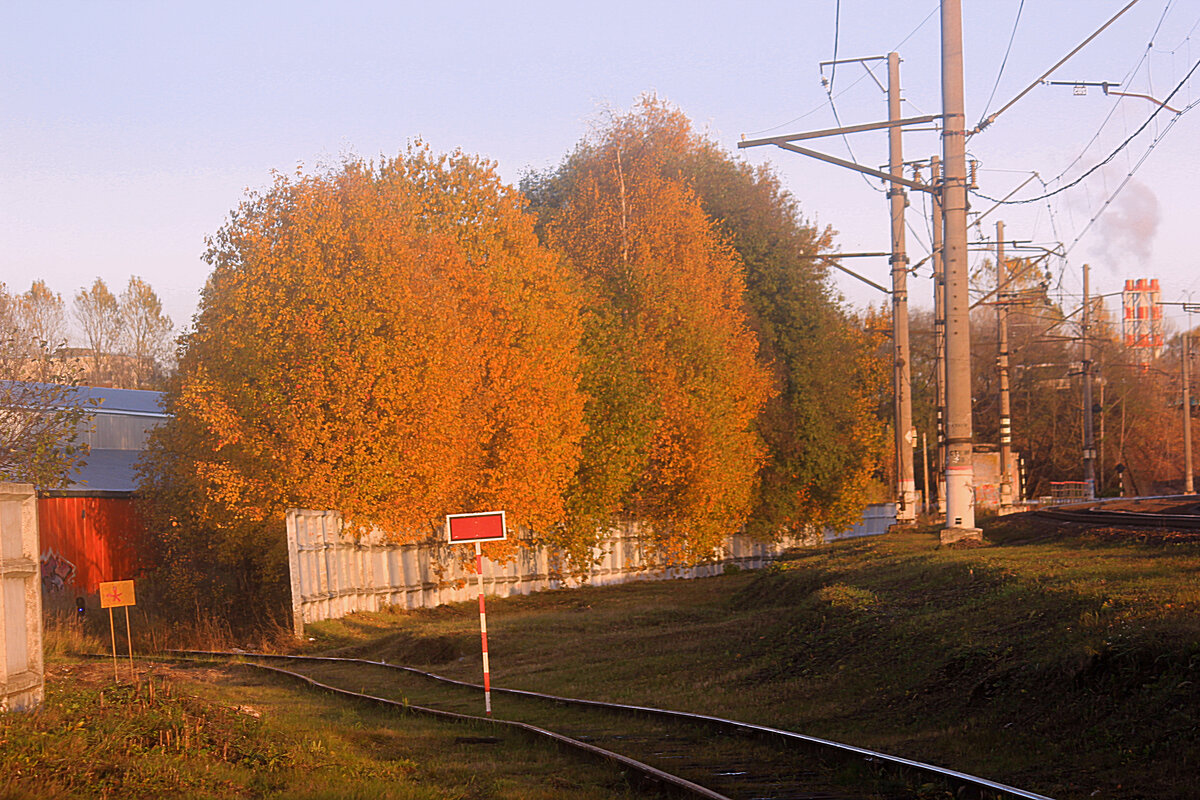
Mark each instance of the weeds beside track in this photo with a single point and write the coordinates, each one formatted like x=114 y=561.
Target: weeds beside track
x=701 y=755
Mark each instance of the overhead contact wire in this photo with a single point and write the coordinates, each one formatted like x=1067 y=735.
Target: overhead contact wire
x=1111 y=155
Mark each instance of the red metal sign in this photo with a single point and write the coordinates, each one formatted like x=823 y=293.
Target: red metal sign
x=487 y=526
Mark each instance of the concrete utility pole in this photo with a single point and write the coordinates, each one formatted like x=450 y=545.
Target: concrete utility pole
x=1002 y=301
x=960 y=468
x=905 y=436
x=1188 y=486
x=1089 y=439
x=906 y=485
x=939 y=329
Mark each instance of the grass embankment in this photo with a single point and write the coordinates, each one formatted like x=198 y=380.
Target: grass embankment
x=1063 y=660
x=199 y=732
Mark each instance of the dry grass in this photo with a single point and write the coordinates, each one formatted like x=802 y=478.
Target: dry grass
x=222 y=733
x=1059 y=659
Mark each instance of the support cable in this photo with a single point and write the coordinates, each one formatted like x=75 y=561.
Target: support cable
x=983 y=123
x=1011 y=38
x=1111 y=155
x=1104 y=123
x=837 y=24
x=1104 y=206
x=854 y=83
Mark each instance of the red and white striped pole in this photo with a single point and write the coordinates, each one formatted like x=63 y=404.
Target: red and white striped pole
x=486 y=526
x=487 y=677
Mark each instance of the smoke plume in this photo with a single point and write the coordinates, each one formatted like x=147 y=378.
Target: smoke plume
x=1128 y=226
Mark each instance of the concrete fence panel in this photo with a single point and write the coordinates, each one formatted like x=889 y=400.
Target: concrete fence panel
x=334 y=573
x=22 y=683
x=876 y=520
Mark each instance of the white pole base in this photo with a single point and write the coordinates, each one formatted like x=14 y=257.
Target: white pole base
x=954 y=535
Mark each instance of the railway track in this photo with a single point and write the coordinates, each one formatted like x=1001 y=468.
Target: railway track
x=678 y=753
x=1180 y=512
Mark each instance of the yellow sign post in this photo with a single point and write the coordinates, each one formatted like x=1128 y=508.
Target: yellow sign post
x=114 y=594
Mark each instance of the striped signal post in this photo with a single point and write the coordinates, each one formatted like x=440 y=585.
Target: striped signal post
x=487 y=671
x=1004 y=296
x=487 y=526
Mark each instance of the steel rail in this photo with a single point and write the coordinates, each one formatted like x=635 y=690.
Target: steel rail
x=961 y=780
x=645 y=771
x=1137 y=519
x=1098 y=511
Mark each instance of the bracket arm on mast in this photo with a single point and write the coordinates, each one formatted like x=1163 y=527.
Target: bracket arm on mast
x=866 y=126
x=841 y=162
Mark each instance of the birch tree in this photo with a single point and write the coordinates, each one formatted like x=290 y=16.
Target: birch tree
x=145 y=331
x=98 y=314
x=670 y=372
x=40 y=411
x=40 y=318
x=824 y=443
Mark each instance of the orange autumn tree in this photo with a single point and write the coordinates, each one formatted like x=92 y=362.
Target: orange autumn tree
x=385 y=339
x=670 y=374
x=824 y=442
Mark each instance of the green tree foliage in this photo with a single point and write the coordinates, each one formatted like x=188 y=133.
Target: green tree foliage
x=392 y=340
x=389 y=340
x=826 y=443
x=823 y=442
x=40 y=424
x=670 y=372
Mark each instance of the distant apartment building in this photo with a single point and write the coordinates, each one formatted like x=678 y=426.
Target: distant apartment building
x=99 y=370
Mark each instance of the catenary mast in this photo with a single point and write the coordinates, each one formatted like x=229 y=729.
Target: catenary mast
x=960 y=470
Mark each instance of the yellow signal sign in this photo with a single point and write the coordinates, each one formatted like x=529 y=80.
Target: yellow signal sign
x=115 y=594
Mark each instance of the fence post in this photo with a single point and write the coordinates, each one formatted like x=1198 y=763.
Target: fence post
x=295 y=570
x=22 y=676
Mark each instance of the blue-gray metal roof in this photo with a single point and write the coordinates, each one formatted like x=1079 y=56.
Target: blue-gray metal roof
x=108 y=470
x=103 y=400
x=137 y=402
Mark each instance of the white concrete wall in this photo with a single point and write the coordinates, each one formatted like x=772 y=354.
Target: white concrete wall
x=334 y=575
x=876 y=520
x=21 y=672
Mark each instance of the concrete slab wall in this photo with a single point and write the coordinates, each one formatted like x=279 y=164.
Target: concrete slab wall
x=876 y=520
x=21 y=670
x=986 y=479
x=334 y=575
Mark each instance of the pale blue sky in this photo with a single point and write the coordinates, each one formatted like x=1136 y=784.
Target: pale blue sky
x=128 y=130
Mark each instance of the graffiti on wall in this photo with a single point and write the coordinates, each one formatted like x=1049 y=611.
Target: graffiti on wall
x=57 y=572
x=987 y=495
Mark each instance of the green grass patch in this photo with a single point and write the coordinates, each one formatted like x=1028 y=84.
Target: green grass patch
x=202 y=732
x=1060 y=659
